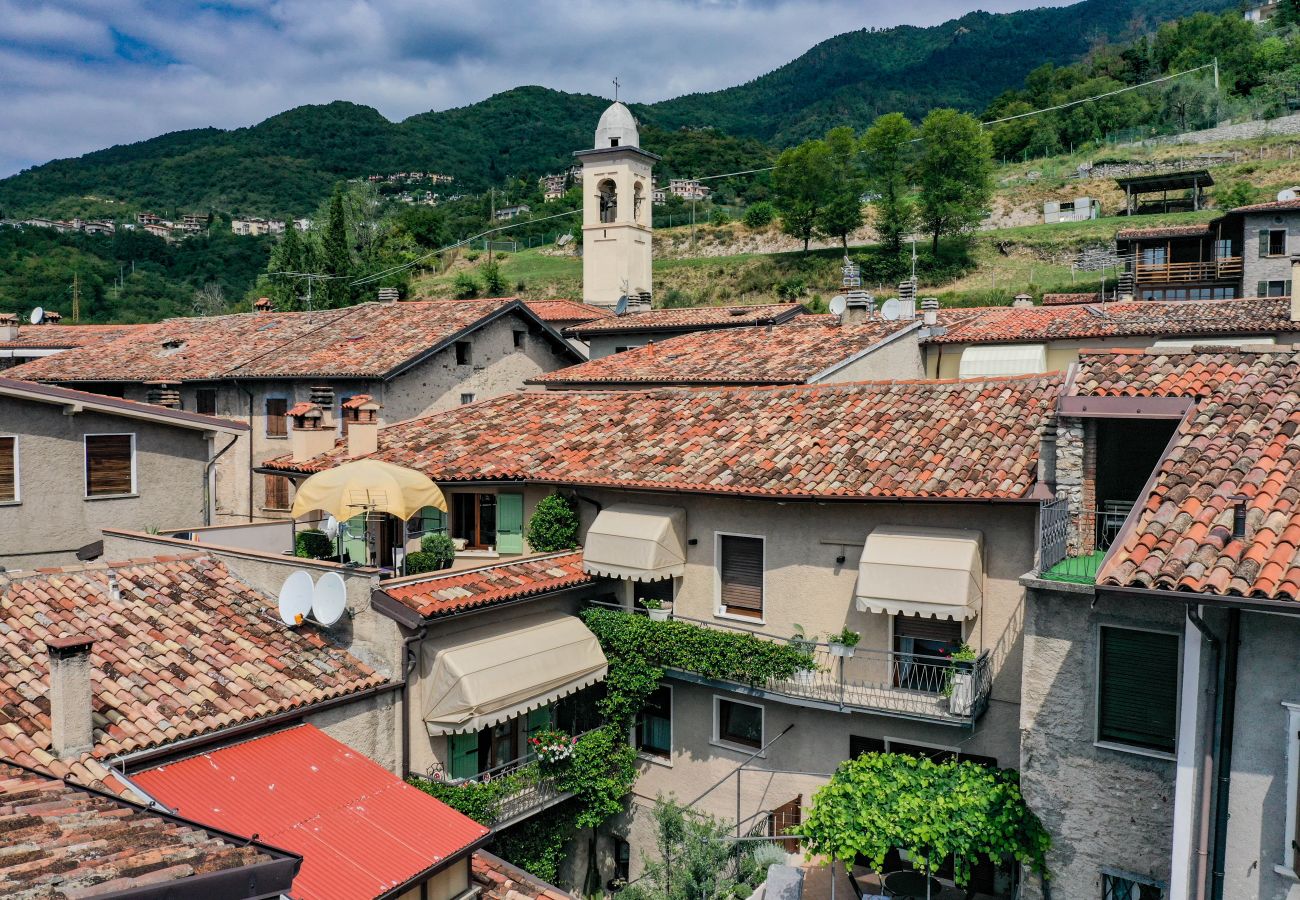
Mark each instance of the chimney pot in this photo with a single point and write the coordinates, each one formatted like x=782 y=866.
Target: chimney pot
x=930 y=311
x=52 y=317
x=8 y=327
x=363 y=430
x=1022 y=301
x=71 y=720
x=263 y=304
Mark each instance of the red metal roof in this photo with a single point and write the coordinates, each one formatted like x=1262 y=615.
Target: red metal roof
x=361 y=830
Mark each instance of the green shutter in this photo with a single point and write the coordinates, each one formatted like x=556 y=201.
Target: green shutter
x=354 y=546
x=1261 y=289
x=510 y=523
x=1137 y=698
x=535 y=721
x=430 y=519
x=1263 y=242
x=463 y=750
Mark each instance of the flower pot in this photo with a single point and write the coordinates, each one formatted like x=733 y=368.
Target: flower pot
x=659 y=615
x=805 y=677
x=962 y=700
x=841 y=649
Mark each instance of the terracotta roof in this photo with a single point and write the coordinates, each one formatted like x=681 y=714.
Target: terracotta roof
x=1242 y=438
x=691 y=318
x=944 y=439
x=783 y=354
x=48 y=393
x=63 y=841
x=1164 y=231
x=362 y=831
x=187 y=649
x=567 y=312
x=355 y=402
x=437 y=594
x=1068 y=299
x=1147 y=318
x=502 y=881
x=371 y=340
x=60 y=337
x=1269 y=207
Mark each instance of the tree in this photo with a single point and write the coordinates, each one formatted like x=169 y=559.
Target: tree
x=802 y=183
x=494 y=284
x=955 y=173
x=209 y=300
x=1288 y=13
x=698 y=858
x=888 y=150
x=336 y=259
x=842 y=212
x=759 y=215
x=289 y=255
x=934 y=810
x=554 y=525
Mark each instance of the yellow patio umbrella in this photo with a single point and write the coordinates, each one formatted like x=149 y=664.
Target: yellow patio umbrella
x=368 y=485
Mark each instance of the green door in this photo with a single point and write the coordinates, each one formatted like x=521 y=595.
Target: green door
x=510 y=523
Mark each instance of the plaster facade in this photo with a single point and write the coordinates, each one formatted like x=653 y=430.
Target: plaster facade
x=616 y=240
x=1257 y=265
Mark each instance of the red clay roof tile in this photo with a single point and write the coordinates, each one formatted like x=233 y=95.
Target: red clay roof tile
x=561 y=313
x=434 y=594
x=690 y=318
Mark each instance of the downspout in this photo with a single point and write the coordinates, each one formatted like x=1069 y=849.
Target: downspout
x=252 y=430
x=1207 y=763
x=409 y=662
x=1227 y=723
x=207 y=478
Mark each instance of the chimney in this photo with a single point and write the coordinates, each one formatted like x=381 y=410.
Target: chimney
x=859 y=306
x=1022 y=301
x=1047 y=454
x=322 y=395
x=263 y=305
x=8 y=327
x=308 y=437
x=1295 y=288
x=388 y=295
x=930 y=311
x=363 y=429
x=161 y=393
x=52 y=318
x=71 y=722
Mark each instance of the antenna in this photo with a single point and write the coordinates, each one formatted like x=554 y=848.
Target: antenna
x=295 y=598
x=891 y=310
x=329 y=598
x=37 y=316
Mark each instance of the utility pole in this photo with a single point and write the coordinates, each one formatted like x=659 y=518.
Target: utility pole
x=76 y=297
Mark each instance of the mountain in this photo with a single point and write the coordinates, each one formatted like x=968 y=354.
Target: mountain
x=287 y=164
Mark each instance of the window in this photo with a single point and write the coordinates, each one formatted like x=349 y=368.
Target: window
x=654 y=726
x=1223 y=249
x=1124 y=886
x=1137 y=688
x=1291 y=835
x=205 y=402
x=919 y=644
x=740 y=575
x=1155 y=256
x=474 y=519
x=9 y=469
x=464 y=353
x=859 y=744
x=737 y=723
x=1272 y=242
x=621 y=349
x=276 y=423
x=521 y=339
x=277 y=492
x=1273 y=289
x=429 y=520
x=466 y=399
x=110 y=464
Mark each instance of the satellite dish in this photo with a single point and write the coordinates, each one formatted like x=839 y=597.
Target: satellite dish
x=329 y=598
x=838 y=305
x=891 y=310
x=331 y=528
x=295 y=598
x=620 y=308
x=1288 y=193
x=37 y=316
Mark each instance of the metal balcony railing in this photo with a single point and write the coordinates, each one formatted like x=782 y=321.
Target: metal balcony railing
x=1072 y=543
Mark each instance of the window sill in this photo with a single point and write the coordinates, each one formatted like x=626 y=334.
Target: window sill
x=738 y=748
x=1286 y=872
x=11 y=503
x=276 y=437
x=664 y=762
x=1136 y=751
x=275 y=509
x=732 y=617
x=90 y=499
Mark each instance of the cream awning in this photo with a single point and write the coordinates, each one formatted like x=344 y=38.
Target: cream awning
x=935 y=572
x=636 y=541
x=477 y=678
x=997 y=360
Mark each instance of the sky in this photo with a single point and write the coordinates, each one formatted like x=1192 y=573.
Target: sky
x=81 y=75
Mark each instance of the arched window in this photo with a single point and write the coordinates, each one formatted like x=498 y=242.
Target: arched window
x=608 y=201
x=638 y=197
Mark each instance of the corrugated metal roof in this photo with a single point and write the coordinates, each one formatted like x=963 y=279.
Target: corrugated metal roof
x=360 y=829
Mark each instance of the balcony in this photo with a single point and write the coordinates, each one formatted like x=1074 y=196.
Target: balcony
x=1073 y=544
x=1227 y=268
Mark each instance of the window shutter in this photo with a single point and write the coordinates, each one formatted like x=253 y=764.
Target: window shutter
x=927 y=629
x=276 y=424
x=463 y=750
x=108 y=465
x=8 y=473
x=1263 y=242
x=510 y=523
x=277 y=492
x=1137 y=698
x=742 y=575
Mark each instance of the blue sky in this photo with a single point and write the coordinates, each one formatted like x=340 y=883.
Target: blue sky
x=80 y=75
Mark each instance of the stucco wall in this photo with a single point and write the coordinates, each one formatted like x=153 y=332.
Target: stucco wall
x=53 y=516
x=899 y=358
x=1256 y=268
x=1103 y=807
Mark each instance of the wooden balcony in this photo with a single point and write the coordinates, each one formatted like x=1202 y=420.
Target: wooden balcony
x=1227 y=268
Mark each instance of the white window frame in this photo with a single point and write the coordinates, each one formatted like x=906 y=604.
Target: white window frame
x=719 y=741
x=719 y=610
x=1096 y=693
x=18 y=479
x=85 y=467
x=667 y=761
x=1292 y=708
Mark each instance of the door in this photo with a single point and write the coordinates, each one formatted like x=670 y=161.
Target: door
x=510 y=523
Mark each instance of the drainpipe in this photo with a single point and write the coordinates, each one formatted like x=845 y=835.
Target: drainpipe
x=1208 y=742
x=1227 y=723
x=207 y=479
x=252 y=429
x=409 y=662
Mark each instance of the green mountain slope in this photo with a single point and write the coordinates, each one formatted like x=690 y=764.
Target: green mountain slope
x=286 y=164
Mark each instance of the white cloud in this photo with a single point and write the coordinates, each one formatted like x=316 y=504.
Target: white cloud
x=79 y=75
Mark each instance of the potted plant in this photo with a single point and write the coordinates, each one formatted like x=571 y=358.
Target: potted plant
x=842 y=644
x=655 y=609
x=804 y=643
x=959 y=684
x=552 y=748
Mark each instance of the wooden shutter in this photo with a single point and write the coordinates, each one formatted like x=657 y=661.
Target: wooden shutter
x=109 y=464
x=1263 y=242
x=276 y=424
x=277 y=492
x=8 y=469
x=742 y=575
x=510 y=523
x=1137 y=698
x=463 y=750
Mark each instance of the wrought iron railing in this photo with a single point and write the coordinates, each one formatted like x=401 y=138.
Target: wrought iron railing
x=1073 y=543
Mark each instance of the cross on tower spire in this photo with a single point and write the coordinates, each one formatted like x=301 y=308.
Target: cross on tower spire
x=616 y=87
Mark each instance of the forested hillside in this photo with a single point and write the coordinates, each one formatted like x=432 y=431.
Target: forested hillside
x=287 y=164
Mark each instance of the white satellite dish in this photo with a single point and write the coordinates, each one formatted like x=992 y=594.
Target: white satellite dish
x=891 y=310
x=1290 y=193
x=37 y=316
x=331 y=528
x=295 y=598
x=329 y=598
x=838 y=305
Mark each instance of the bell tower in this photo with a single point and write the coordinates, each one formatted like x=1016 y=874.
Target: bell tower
x=616 y=207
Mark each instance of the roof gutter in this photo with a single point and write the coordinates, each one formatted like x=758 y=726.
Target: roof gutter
x=1249 y=604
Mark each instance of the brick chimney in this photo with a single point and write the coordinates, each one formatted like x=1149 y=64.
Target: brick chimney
x=322 y=395
x=308 y=435
x=8 y=326
x=71 y=722
x=162 y=393
x=363 y=429
x=263 y=305
x=52 y=318
x=1295 y=288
